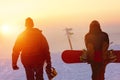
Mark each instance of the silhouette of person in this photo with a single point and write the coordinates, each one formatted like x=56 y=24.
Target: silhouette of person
x=97 y=43
x=34 y=50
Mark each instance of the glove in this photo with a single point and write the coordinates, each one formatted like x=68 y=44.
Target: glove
x=51 y=72
x=15 y=67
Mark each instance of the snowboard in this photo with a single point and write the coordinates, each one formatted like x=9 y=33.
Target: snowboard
x=80 y=56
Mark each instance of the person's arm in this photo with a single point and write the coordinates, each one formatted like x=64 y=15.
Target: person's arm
x=106 y=41
x=14 y=60
x=90 y=48
x=105 y=46
x=45 y=50
x=48 y=60
x=15 y=53
x=47 y=54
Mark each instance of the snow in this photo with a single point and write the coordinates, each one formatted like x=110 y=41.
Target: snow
x=80 y=71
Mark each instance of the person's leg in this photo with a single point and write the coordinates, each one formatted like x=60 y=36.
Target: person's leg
x=29 y=73
x=93 y=68
x=96 y=71
x=39 y=73
x=102 y=76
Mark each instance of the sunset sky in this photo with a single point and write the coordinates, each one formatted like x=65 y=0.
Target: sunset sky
x=53 y=16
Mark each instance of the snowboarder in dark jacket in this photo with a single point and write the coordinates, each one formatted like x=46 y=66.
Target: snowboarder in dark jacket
x=34 y=50
x=97 y=43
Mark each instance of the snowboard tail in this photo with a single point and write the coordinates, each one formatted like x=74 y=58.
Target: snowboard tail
x=72 y=56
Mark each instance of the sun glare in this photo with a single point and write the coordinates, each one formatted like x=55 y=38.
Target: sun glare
x=5 y=29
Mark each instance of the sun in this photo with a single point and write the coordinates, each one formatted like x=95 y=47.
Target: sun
x=5 y=29
x=9 y=30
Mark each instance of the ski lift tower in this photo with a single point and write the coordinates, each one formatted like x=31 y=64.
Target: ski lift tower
x=69 y=33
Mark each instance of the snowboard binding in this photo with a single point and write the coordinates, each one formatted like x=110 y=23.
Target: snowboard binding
x=84 y=56
x=111 y=56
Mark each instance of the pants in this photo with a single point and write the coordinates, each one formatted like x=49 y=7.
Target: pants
x=98 y=70
x=34 y=72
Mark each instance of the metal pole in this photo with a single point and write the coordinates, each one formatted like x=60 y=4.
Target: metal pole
x=68 y=36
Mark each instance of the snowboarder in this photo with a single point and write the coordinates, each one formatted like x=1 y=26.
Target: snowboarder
x=34 y=50
x=97 y=43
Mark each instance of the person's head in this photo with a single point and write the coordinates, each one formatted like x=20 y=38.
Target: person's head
x=29 y=23
x=95 y=27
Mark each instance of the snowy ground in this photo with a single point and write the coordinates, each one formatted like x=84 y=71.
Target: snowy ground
x=65 y=71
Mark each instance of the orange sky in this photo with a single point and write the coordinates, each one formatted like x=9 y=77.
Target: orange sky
x=53 y=16
x=17 y=10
